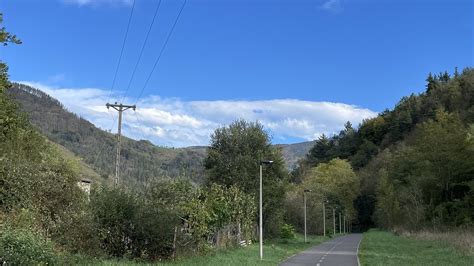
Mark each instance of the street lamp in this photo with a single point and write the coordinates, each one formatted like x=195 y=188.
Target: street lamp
x=304 y=199
x=334 y=221
x=260 y=207
x=340 y=223
x=324 y=216
x=344 y=223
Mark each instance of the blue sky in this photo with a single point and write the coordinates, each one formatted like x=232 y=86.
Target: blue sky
x=260 y=59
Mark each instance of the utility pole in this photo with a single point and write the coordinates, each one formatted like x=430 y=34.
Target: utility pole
x=120 y=108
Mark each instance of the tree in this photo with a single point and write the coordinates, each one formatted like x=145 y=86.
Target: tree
x=336 y=182
x=5 y=36
x=233 y=160
x=387 y=212
x=320 y=152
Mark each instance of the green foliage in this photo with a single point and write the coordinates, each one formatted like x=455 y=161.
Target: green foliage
x=217 y=207
x=388 y=206
x=287 y=231
x=275 y=251
x=384 y=248
x=320 y=152
x=5 y=36
x=334 y=182
x=233 y=160
x=422 y=145
x=141 y=161
x=114 y=212
x=167 y=217
x=22 y=247
x=426 y=181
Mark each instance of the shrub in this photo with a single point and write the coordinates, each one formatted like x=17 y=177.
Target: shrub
x=287 y=231
x=22 y=247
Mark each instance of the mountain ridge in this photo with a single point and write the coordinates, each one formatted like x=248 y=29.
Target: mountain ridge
x=141 y=159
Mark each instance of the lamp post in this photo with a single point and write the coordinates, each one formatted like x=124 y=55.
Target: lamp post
x=344 y=224
x=340 y=223
x=260 y=208
x=334 y=220
x=304 y=199
x=324 y=216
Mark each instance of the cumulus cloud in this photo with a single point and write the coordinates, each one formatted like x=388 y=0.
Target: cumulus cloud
x=178 y=123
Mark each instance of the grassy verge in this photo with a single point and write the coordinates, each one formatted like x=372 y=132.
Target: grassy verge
x=274 y=252
x=384 y=248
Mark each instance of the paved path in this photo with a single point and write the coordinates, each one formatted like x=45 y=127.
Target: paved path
x=340 y=251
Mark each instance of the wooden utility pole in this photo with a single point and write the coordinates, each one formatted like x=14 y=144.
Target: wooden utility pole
x=120 y=108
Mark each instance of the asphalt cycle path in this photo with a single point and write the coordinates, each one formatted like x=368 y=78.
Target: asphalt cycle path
x=340 y=251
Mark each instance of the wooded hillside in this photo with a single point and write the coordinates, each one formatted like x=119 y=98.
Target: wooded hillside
x=415 y=162
x=141 y=160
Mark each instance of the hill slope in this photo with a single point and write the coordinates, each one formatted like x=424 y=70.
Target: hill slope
x=294 y=152
x=417 y=156
x=141 y=160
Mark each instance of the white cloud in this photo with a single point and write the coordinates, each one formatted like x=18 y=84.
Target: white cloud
x=98 y=2
x=332 y=6
x=178 y=123
x=57 y=78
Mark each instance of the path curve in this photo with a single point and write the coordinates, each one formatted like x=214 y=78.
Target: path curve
x=340 y=251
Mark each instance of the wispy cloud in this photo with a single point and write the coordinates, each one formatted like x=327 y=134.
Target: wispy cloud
x=334 y=6
x=178 y=123
x=98 y=2
x=56 y=78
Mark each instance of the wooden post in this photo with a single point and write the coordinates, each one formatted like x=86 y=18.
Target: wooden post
x=120 y=108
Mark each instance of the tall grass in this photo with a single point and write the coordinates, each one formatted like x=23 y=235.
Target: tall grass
x=386 y=248
x=460 y=238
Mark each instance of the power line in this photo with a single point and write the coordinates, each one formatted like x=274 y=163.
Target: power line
x=161 y=51
x=144 y=44
x=121 y=51
x=142 y=49
x=116 y=72
x=104 y=143
x=120 y=108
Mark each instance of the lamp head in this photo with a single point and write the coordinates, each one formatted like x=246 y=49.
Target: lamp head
x=266 y=162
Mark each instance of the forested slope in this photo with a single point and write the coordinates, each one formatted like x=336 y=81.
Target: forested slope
x=415 y=162
x=141 y=160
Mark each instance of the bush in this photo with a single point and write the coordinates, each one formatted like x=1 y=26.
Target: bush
x=287 y=231
x=22 y=247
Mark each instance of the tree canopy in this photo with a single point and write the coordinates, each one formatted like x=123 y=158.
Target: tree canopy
x=233 y=159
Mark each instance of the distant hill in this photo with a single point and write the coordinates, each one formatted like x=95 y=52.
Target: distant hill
x=140 y=161
x=293 y=152
x=82 y=169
